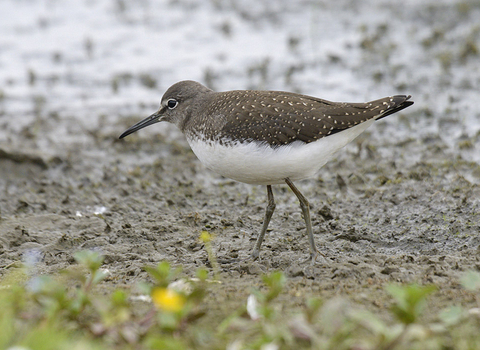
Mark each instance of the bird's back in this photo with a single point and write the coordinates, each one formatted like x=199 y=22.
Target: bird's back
x=263 y=137
x=280 y=118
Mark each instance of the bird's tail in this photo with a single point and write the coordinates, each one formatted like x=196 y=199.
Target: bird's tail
x=399 y=102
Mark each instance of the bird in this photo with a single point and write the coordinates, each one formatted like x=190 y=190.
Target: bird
x=266 y=137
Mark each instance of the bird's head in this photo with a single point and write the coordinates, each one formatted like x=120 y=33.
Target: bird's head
x=175 y=106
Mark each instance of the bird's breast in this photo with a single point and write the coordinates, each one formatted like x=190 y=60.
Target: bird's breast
x=255 y=162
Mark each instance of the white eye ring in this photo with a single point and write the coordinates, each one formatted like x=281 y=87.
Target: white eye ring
x=172 y=103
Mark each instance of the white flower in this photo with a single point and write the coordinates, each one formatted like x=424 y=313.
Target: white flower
x=252 y=306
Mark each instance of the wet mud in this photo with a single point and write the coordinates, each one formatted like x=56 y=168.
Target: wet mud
x=378 y=217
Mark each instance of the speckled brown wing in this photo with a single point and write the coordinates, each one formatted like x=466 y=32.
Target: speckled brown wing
x=280 y=118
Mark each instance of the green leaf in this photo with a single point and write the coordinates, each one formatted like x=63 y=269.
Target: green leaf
x=202 y=274
x=119 y=298
x=409 y=301
x=163 y=274
x=165 y=343
x=144 y=288
x=90 y=259
x=275 y=283
x=313 y=308
x=452 y=315
x=77 y=304
x=168 y=321
x=98 y=276
x=471 y=281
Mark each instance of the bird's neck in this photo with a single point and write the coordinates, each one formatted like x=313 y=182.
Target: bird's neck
x=203 y=123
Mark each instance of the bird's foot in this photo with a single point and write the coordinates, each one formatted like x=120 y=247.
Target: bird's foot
x=252 y=257
x=312 y=259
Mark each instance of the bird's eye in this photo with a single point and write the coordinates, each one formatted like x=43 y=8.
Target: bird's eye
x=172 y=103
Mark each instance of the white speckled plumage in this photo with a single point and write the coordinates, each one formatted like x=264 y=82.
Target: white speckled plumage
x=266 y=137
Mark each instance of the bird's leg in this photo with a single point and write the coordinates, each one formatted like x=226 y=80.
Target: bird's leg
x=266 y=221
x=306 y=216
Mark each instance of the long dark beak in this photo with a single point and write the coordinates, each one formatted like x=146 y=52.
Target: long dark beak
x=154 y=118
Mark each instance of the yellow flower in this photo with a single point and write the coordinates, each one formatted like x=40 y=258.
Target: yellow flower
x=205 y=237
x=168 y=300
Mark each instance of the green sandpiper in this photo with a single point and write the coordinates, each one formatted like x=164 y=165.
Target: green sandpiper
x=266 y=137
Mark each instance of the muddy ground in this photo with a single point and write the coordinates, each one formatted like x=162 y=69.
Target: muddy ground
x=377 y=219
x=386 y=209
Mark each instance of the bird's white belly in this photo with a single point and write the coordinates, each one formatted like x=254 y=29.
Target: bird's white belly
x=260 y=164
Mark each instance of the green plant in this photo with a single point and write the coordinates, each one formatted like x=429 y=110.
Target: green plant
x=74 y=309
